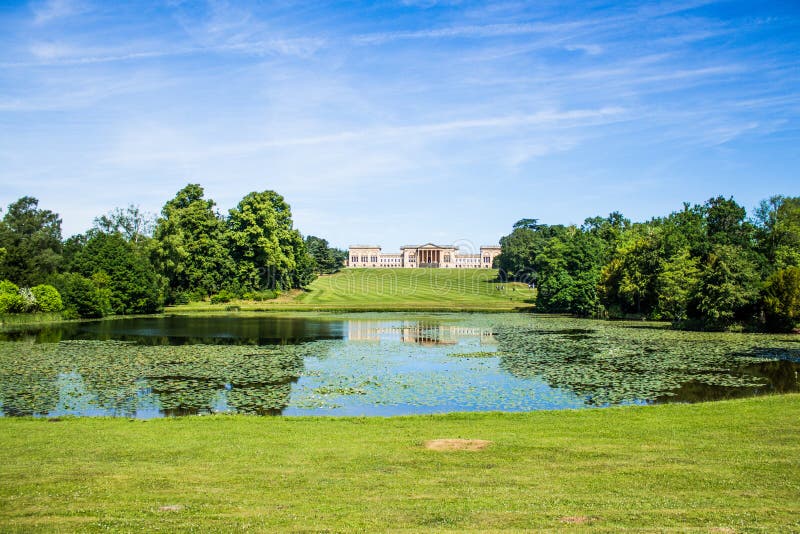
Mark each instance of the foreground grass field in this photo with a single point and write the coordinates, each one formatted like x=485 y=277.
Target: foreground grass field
x=718 y=467
x=396 y=290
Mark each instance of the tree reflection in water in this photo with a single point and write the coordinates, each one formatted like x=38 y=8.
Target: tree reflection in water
x=120 y=378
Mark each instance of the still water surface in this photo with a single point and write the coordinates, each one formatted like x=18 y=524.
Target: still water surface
x=376 y=364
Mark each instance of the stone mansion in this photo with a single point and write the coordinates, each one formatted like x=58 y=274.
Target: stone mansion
x=428 y=255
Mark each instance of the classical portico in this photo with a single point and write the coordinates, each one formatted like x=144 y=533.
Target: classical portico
x=428 y=255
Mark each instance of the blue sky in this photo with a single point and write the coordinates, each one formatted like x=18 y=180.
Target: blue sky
x=400 y=122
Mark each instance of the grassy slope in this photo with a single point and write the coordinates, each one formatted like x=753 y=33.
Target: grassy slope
x=718 y=467
x=397 y=290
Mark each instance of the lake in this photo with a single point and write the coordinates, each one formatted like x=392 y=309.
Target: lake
x=376 y=364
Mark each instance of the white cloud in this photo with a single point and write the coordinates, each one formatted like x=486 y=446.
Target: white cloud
x=50 y=10
x=490 y=30
x=591 y=49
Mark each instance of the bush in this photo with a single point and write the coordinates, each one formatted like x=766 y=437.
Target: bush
x=181 y=297
x=10 y=299
x=29 y=304
x=197 y=295
x=222 y=297
x=48 y=299
x=260 y=296
x=81 y=296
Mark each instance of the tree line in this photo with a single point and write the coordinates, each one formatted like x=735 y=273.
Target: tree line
x=131 y=262
x=706 y=266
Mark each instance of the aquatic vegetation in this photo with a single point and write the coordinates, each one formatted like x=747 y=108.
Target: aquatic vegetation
x=120 y=377
x=478 y=354
x=613 y=363
x=379 y=364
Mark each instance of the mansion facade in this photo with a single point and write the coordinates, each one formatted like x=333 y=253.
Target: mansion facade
x=428 y=255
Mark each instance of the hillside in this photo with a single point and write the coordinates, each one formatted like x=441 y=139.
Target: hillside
x=402 y=288
x=397 y=290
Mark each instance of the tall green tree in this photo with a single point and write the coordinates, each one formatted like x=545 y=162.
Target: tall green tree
x=191 y=245
x=726 y=223
x=728 y=288
x=268 y=251
x=31 y=238
x=135 y=225
x=676 y=282
x=134 y=285
x=628 y=280
x=327 y=259
x=778 y=231
x=521 y=248
x=683 y=230
x=782 y=300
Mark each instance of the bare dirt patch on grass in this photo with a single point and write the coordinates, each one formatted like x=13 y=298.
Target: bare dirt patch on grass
x=457 y=444
x=170 y=508
x=577 y=519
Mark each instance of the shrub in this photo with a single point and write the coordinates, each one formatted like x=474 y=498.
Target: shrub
x=82 y=296
x=29 y=304
x=259 y=296
x=197 y=295
x=48 y=299
x=181 y=297
x=223 y=296
x=10 y=299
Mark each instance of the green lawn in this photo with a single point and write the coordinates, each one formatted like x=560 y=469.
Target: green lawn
x=398 y=290
x=717 y=467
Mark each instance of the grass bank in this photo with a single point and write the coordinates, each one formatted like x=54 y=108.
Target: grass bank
x=718 y=467
x=14 y=319
x=440 y=290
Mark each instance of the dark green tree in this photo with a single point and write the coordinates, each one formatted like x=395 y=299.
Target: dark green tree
x=676 y=282
x=629 y=279
x=134 y=284
x=269 y=253
x=31 y=238
x=726 y=223
x=81 y=296
x=728 y=289
x=778 y=231
x=782 y=300
x=190 y=245
x=327 y=259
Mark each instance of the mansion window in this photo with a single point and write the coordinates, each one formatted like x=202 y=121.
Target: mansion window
x=447 y=258
x=354 y=259
x=364 y=259
x=375 y=258
x=412 y=258
x=486 y=259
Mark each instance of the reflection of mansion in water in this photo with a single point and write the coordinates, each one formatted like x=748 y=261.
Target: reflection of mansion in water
x=416 y=332
x=428 y=255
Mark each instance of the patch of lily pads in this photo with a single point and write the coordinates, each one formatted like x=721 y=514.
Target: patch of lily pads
x=523 y=363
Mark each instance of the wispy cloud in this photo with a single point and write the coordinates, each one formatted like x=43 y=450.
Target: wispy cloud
x=474 y=31
x=148 y=148
x=51 y=10
x=591 y=49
